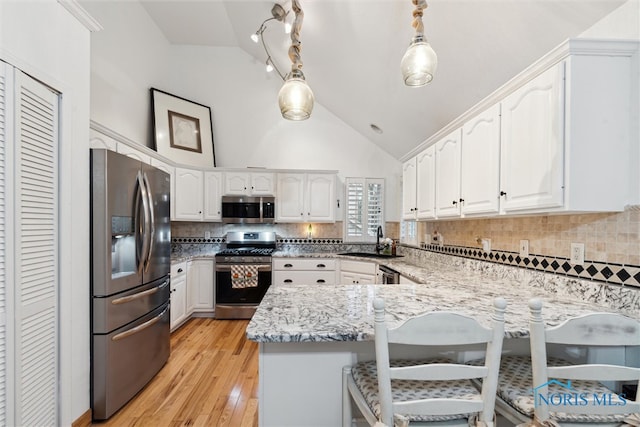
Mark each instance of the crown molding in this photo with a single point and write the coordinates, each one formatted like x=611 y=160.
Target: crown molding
x=81 y=14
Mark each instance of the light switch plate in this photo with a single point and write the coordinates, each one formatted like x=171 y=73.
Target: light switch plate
x=524 y=248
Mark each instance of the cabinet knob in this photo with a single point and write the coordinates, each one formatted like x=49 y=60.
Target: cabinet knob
x=502 y=193
x=455 y=202
x=179 y=270
x=461 y=200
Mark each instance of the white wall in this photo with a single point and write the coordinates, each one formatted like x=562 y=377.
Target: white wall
x=43 y=40
x=131 y=55
x=624 y=23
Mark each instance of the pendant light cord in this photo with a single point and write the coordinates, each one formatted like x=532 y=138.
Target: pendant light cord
x=294 y=49
x=417 y=16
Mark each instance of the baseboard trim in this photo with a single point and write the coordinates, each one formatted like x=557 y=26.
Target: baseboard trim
x=84 y=420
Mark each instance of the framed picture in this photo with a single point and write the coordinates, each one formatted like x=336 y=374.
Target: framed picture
x=182 y=130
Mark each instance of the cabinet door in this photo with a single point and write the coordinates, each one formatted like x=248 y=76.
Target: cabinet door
x=212 y=196
x=290 y=203
x=320 y=197
x=200 y=285
x=237 y=183
x=409 y=189
x=188 y=194
x=448 y=175
x=348 y=278
x=426 y=183
x=366 y=279
x=480 y=163
x=172 y=176
x=262 y=184
x=532 y=144
x=178 y=300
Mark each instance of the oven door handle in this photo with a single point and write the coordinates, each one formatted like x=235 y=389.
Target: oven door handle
x=227 y=267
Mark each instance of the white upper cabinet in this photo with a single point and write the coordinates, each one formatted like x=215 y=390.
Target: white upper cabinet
x=409 y=204
x=212 y=196
x=556 y=138
x=249 y=183
x=480 y=163
x=448 y=175
x=532 y=155
x=188 y=198
x=426 y=184
x=306 y=197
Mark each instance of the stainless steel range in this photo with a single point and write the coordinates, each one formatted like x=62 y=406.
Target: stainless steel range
x=243 y=273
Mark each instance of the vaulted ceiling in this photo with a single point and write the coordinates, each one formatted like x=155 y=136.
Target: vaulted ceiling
x=351 y=51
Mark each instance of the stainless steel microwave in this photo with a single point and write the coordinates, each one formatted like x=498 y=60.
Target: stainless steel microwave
x=248 y=210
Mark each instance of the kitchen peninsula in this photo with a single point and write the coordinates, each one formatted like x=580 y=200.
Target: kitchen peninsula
x=307 y=333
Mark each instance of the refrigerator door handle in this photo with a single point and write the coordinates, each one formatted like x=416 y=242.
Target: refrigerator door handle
x=139 y=295
x=152 y=221
x=143 y=229
x=140 y=328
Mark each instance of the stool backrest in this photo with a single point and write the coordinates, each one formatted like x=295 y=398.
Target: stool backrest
x=608 y=330
x=441 y=329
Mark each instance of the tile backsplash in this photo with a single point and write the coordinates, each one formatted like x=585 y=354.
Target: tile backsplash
x=611 y=241
x=607 y=237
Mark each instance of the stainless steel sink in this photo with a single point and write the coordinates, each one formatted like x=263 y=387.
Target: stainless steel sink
x=370 y=255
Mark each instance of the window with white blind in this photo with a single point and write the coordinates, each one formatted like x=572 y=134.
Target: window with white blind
x=364 y=210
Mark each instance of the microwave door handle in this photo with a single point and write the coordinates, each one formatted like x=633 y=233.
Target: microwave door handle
x=261 y=211
x=152 y=222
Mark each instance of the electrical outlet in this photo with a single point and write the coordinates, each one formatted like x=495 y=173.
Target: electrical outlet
x=207 y=234
x=486 y=245
x=524 y=248
x=577 y=254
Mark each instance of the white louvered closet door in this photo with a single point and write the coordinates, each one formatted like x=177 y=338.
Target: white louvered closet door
x=3 y=246
x=35 y=252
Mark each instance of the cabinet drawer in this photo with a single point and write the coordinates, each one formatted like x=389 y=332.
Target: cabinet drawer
x=358 y=267
x=178 y=269
x=310 y=264
x=304 y=277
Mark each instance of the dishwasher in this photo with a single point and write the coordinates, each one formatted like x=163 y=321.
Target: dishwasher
x=388 y=275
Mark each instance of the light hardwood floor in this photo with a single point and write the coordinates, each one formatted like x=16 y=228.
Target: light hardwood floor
x=211 y=379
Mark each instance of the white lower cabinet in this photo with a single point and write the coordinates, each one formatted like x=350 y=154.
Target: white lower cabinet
x=358 y=272
x=200 y=285
x=307 y=271
x=178 y=294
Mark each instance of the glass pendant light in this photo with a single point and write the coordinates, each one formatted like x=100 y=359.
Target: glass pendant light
x=295 y=97
x=420 y=61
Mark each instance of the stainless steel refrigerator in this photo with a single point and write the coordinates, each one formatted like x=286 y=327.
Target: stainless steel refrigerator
x=130 y=264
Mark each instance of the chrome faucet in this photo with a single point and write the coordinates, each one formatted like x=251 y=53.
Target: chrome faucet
x=378 y=237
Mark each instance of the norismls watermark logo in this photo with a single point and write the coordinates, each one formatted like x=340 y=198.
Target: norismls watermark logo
x=561 y=394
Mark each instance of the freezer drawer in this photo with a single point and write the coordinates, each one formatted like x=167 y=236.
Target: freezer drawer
x=125 y=360
x=110 y=313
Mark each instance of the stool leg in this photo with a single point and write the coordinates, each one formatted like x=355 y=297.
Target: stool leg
x=346 y=398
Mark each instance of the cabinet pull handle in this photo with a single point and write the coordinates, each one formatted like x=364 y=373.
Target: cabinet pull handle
x=320 y=281
x=321 y=266
x=179 y=270
x=461 y=200
x=288 y=281
x=288 y=265
x=455 y=202
x=502 y=193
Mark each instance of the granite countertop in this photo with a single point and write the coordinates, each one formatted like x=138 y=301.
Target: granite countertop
x=307 y=313
x=316 y=313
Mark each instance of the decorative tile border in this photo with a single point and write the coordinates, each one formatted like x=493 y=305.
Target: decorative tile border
x=592 y=270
